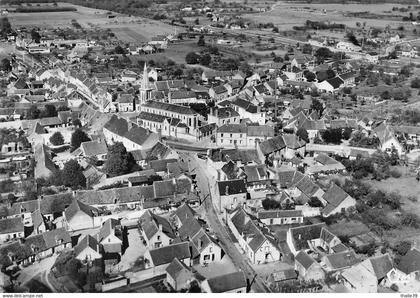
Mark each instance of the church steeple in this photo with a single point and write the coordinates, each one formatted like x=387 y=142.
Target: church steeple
x=144 y=88
x=145 y=77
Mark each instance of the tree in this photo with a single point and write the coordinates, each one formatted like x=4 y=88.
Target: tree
x=333 y=135
x=317 y=106
x=49 y=111
x=415 y=83
x=205 y=60
x=402 y=247
x=410 y=220
x=197 y=21
x=119 y=161
x=72 y=175
x=192 y=58
x=315 y=202
x=57 y=139
x=310 y=76
x=119 y=50
x=153 y=178
x=307 y=48
x=33 y=112
x=5 y=27
x=36 y=37
x=201 y=42
x=78 y=137
x=5 y=65
x=350 y=36
x=303 y=134
x=269 y=204
x=77 y=123
x=322 y=53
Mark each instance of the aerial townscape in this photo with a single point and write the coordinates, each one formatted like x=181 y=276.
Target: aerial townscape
x=212 y=146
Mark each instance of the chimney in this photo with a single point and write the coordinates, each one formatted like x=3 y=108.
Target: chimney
x=169 y=97
x=216 y=112
x=200 y=244
x=174 y=181
x=160 y=228
x=300 y=236
x=227 y=190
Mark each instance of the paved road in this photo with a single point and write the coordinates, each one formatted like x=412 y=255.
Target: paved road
x=218 y=227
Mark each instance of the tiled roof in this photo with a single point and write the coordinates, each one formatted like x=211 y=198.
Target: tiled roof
x=231 y=187
x=410 y=262
x=304 y=259
x=165 y=255
x=227 y=282
x=279 y=214
x=170 y=107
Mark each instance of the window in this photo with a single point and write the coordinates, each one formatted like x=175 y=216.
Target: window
x=221 y=135
x=206 y=257
x=158 y=237
x=230 y=135
x=211 y=249
x=240 y=135
x=231 y=141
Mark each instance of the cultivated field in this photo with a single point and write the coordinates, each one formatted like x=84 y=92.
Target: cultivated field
x=286 y=15
x=127 y=28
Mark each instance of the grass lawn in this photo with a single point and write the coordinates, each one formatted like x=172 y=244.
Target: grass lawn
x=406 y=187
x=348 y=228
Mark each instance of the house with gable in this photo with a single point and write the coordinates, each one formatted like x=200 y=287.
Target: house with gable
x=178 y=275
x=88 y=249
x=79 y=216
x=407 y=270
x=308 y=268
x=309 y=237
x=160 y=258
x=235 y=282
x=255 y=239
x=387 y=138
x=337 y=201
x=231 y=194
x=156 y=230
x=110 y=236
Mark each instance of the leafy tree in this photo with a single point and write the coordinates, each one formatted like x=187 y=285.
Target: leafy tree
x=33 y=112
x=197 y=21
x=5 y=27
x=36 y=37
x=317 y=106
x=350 y=36
x=77 y=123
x=315 y=202
x=49 y=111
x=72 y=175
x=402 y=247
x=322 y=53
x=346 y=133
x=120 y=50
x=192 y=58
x=153 y=178
x=307 y=48
x=78 y=137
x=410 y=220
x=269 y=204
x=415 y=83
x=5 y=65
x=303 y=134
x=310 y=76
x=205 y=60
x=119 y=161
x=201 y=41
x=333 y=136
x=57 y=139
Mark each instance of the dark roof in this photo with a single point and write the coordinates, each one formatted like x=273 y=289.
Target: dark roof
x=87 y=241
x=11 y=225
x=381 y=265
x=289 y=178
x=161 y=165
x=94 y=148
x=231 y=187
x=108 y=228
x=176 y=267
x=227 y=282
x=304 y=259
x=342 y=260
x=336 y=82
x=272 y=145
x=184 y=212
x=279 y=214
x=410 y=262
x=77 y=206
x=117 y=125
x=150 y=223
x=165 y=255
x=232 y=128
x=307 y=186
x=170 y=107
x=335 y=195
x=301 y=235
x=158 y=151
x=138 y=135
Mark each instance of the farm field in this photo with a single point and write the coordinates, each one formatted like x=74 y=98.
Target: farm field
x=286 y=15
x=128 y=28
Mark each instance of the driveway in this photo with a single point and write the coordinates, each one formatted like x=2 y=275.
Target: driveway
x=134 y=250
x=37 y=268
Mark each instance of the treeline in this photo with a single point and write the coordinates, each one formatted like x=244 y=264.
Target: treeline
x=319 y=26
x=44 y=9
x=120 y=6
x=355 y=1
